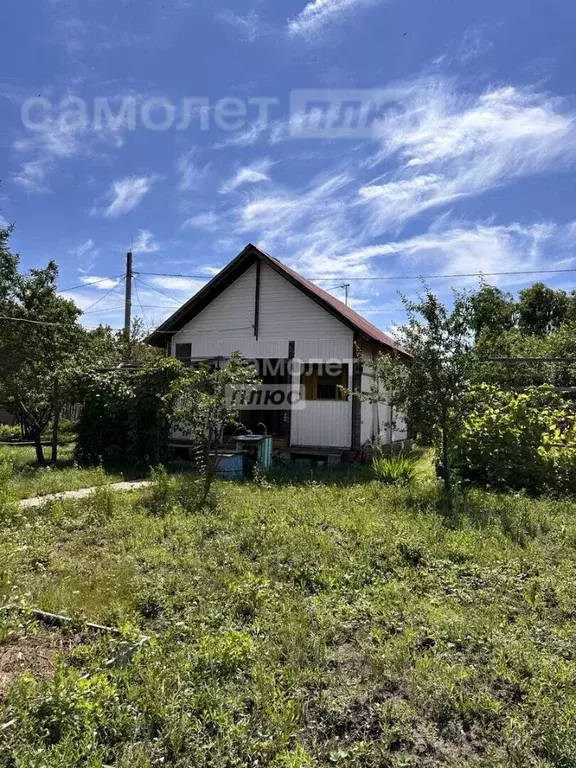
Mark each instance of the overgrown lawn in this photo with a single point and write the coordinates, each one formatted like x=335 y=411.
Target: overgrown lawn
x=321 y=623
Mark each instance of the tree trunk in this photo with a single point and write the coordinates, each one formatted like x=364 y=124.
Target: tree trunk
x=56 y=425
x=445 y=456
x=40 y=460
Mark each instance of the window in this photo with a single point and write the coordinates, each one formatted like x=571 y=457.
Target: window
x=184 y=353
x=323 y=382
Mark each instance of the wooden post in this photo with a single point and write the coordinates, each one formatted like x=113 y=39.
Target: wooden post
x=128 y=299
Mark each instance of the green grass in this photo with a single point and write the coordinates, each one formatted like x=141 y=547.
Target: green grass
x=304 y=622
x=29 y=480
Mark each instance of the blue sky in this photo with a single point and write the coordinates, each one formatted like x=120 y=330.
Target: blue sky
x=466 y=164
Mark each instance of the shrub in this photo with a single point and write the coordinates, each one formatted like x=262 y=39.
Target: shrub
x=10 y=432
x=126 y=416
x=517 y=441
x=161 y=495
x=7 y=505
x=395 y=469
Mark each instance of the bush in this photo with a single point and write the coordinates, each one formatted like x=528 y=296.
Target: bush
x=161 y=497
x=126 y=416
x=10 y=432
x=186 y=492
x=517 y=441
x=7 y=504
x=395 y=469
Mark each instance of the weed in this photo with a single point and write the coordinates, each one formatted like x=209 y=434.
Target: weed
x=395 y=469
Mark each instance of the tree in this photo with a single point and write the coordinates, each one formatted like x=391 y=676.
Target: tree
x=206 y=407
x=8 y=266
x=492 y=311
x=541 y=309
x=111 y=347
x=41 y=343
x=433 y=385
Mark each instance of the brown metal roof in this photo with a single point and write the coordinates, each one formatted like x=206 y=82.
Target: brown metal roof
x=243 y=261
x=361 y=324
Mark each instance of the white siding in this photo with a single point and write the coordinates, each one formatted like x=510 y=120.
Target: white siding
x=285 y=312
x=326 y=424
x=323 y=423
x=377 y=418
x=285 y=315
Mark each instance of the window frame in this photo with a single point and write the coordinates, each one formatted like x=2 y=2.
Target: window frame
x=187 y=360
x=311 y=375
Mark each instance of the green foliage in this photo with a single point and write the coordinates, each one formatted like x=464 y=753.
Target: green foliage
x=430 y=388
x=126 y=416
x=41 y=347
x=312 y=625
x=394 y=469
x=492 y=311
x=160 y=499
x=10 y=432
x=206 y=409
x=7 y=505
x=542 y=310
x=111 y=347
x=519 y=441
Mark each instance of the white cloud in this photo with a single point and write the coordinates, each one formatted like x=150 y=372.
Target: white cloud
x=67 y=135
x=448 y=145
x=179 y=284
x=32 y=176
x=473 y=248
x=100 y=283
x=208 y=221
x=127 y=194
x=86 y=253
x=318 y=13
x=191 y=174
x=251 y=174
x=248 y=26
x=145 y=243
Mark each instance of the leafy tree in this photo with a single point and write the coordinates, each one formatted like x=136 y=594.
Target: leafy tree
x=8 y=266
x=542 y=310
x=110 y=347
x=517 y=440
x=432 y=387
x=492 y=311
x=523 y=351
x=206 y=408
x=40 y=345
x=126 y=414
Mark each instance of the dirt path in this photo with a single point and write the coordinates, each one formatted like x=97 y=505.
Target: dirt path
x=82 y=493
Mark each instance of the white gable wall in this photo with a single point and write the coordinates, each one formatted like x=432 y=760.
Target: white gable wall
x=286 y=314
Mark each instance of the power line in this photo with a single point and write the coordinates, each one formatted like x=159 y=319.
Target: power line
x=148 y=324
x=47 y=323
x=100 y=311
x=394 y=277
x=87 y=285
x=104 y=296
x=170 y=298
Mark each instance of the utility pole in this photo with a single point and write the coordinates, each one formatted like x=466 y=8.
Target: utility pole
x=128 y=300
x=346 y=287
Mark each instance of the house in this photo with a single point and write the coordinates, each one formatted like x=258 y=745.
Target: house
x=300 y=335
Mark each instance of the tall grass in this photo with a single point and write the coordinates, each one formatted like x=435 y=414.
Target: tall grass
x=314 y=624
x=395 y=469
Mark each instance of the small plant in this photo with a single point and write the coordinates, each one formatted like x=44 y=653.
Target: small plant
x=7 y=506
x=395 y=469
x=161 y=497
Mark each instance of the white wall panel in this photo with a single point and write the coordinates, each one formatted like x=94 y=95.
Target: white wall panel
x=326 y=424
